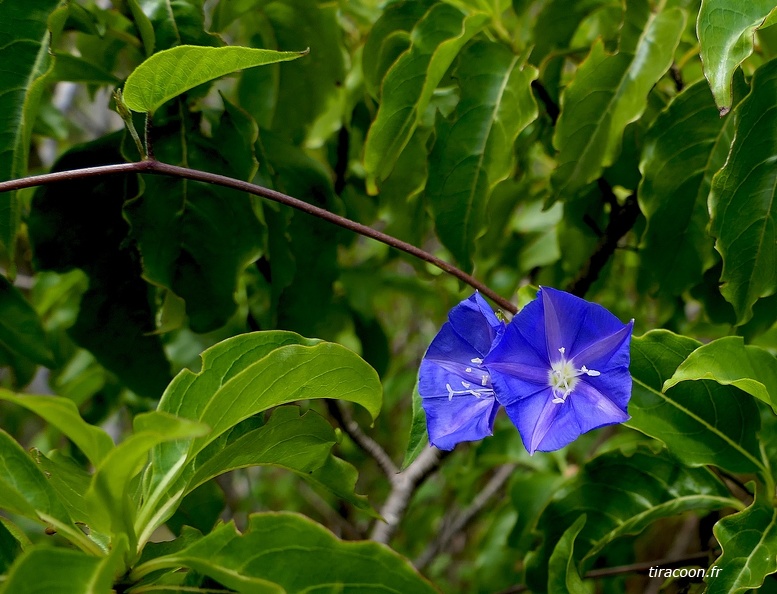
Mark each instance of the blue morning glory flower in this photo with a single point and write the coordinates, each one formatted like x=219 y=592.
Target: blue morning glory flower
x=561 y=369
x=455 y=387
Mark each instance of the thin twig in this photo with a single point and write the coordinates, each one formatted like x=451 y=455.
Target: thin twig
x=550 y=106
x=360 y=438
x=622 y=219
x=403 y=485
x=457 y=521
x=159 y=168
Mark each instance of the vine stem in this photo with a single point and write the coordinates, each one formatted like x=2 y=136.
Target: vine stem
x=159 y=168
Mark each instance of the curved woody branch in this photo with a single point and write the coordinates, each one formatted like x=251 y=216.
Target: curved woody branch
x=159 y=168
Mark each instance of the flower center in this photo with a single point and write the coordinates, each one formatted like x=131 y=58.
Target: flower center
x=480 y=379
x=563 y=377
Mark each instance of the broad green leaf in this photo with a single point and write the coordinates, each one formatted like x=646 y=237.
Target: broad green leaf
x=176 y=22
x=700 y=422
x=607 y=93
x=72 y=68
x=24 y=52
x=285 y=552
x=109 y=488
x=63 y=414
x=301 y=444
x=144 y=25
x=195 y=238
x=726 y=29
x=742 y=201
x=20 y=327
x=621 y=495
x=79 y=224
x=408 y=85
x=389 y=37
x=729 y=361
x=557 y=21
x=25 y=490
x=43 y=569
x=10 y=548
x=686 y=145
x=240 y=377
x=274 y=95
x=749 y=543
x=171 y=72
x=562 y=571
x=419 y=438
x=474 y=146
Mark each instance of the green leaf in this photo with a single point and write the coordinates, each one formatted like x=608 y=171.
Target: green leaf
x=301 y=444
x=408 y=86
x=72 y=68
x=749 y=543
x=474 y=147
x=621 y=495
x=726 y=29
x=79 y=224
x=729 y=361
x=273 y=95
x=562 y=571
x=389 y=37
x=607 y=93
x=109 y=489
x=686 y=145
x=240 y=377
x=285 y=552
x=144 y=25
x=24 y=52
x=76 y=572
x=176 y=22
x=63 y=414
x=171 y=72
x=25 y=490
x=195 y=238
x=10 y=548
x=419 y=438
x=20 y=327
x=700 y=422
x=742 y=202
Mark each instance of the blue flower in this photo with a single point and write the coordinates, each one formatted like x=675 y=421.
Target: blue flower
x=455 y=387
x=561 y=369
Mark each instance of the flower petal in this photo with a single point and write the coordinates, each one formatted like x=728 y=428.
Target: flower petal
x=593 y=409
x=608 y=351
x=475 y=321
x=554 y=339
x=462 y=418
x=534 y=416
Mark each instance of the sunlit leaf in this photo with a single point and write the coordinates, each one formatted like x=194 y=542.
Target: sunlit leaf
x=562 y=571
x=171 y=72
x=726 y=29
x=729 y=361
x=63 y=414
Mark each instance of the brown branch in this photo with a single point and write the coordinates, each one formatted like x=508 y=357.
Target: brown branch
x=360 y=438
x=403 y=485
x=456 y=522
x=622 y=219
x=159 y=168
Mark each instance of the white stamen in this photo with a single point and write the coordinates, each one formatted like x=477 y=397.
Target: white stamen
x=477 y=360
x=450 y=392
x=484 y=380
x=467 y=385
x=561 y=350
x=468 y=370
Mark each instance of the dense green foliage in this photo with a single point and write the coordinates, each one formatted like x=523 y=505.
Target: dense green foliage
x=199 y=386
